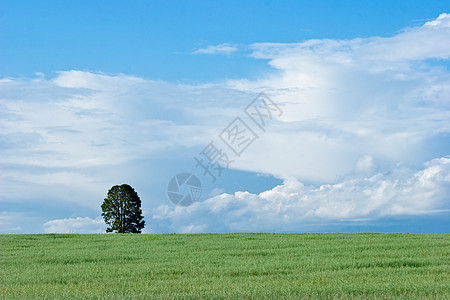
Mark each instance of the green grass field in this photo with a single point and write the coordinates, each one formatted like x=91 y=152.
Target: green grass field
x=219 y=266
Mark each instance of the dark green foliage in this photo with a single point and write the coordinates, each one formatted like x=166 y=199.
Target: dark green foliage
x=122 y=210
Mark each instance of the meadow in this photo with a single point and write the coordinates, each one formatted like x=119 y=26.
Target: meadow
x=225 y=266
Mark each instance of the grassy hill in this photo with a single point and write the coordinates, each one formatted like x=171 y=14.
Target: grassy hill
x=218 y=266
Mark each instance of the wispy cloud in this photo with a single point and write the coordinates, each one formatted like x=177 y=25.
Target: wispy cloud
x=218 y=49
x=75 y=225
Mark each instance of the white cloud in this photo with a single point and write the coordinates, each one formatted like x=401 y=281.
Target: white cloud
x=343 y=99
x=75 y=225
x=218 y=49
x=294 y=206
x=375 y=54
x=365 y=164
x=80 y=119
x=351 y=109
x=6 y=218
x=93 y=81
x=442 y=21
x=70 y=138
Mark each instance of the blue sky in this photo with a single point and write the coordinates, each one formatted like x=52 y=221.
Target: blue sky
x=154 y=39
x=94 y=94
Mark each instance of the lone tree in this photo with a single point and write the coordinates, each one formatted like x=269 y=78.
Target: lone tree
x=122 y=210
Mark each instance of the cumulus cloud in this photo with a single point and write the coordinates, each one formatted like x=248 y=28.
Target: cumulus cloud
x=75 y=225
x=218 y=49
x=441 y=22
x=351 y=109
x=342 y=99
x=294 y=206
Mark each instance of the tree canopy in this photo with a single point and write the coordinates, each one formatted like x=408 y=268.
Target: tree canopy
x=122 y=210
